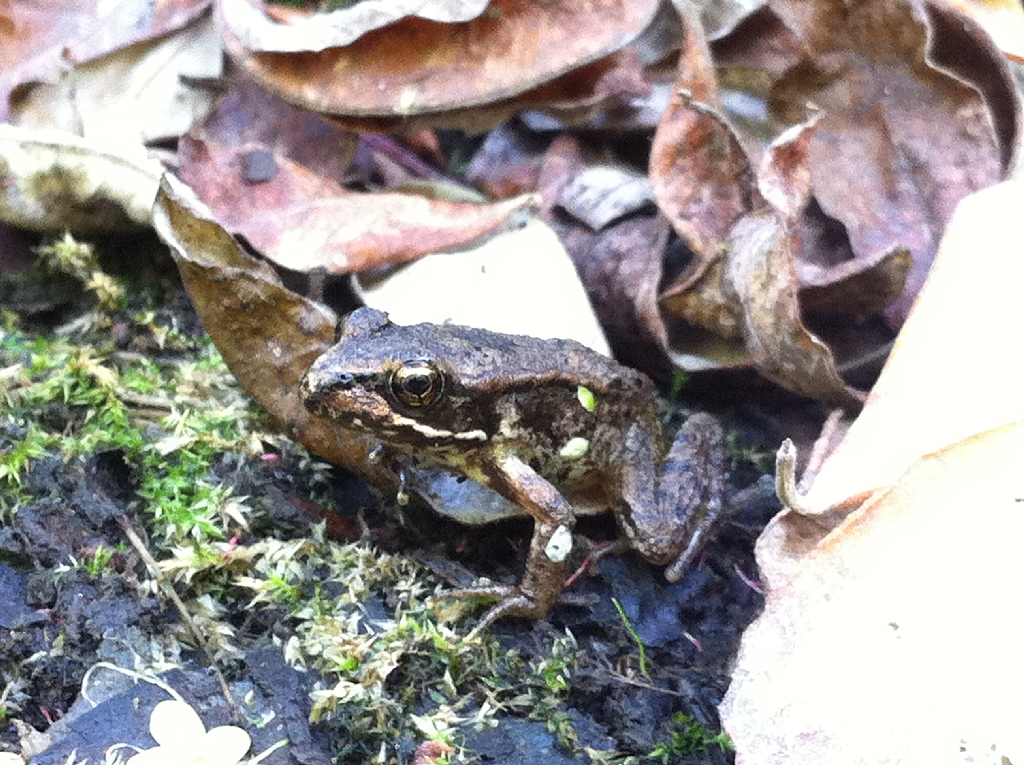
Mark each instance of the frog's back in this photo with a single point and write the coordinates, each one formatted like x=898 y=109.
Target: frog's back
x=481 y=358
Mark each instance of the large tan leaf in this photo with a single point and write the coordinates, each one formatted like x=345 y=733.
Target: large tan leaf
x=890 y=632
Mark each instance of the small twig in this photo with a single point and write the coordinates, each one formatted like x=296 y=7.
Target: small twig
x=154 y=570
x=639 y=684
x=785 y=478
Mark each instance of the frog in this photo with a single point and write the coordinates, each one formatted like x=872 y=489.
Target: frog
x=557 y=429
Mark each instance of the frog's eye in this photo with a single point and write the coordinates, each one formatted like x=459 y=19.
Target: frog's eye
x=417 y=383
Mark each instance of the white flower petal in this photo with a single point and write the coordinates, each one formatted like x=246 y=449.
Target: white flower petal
x=176 y=725
x=226 y=745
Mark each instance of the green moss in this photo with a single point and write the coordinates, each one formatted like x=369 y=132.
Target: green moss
x=78 y=399
x=686 y=739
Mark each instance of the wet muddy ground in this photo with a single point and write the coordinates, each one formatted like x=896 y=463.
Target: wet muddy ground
x=62 y=613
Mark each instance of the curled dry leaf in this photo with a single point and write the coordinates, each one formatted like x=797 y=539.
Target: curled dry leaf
x=53 y=180
x=304 y=221
x=740 y=228
x=267 y=334
x=416 y=66
x=759 y=271
x=259 y=30
x=701 y=176
x=900 y=141
x=886 y=635
x=39 y=39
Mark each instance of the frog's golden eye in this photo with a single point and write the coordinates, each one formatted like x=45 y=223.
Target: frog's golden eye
x=417 y=383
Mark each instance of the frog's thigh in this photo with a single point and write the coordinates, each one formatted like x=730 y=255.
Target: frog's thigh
x=694 y=468
x=670 y=504
x=636 y=462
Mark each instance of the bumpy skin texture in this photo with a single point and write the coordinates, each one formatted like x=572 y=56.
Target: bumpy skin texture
x=508 y=412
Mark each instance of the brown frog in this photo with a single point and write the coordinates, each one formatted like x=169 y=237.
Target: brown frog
x=554 y=427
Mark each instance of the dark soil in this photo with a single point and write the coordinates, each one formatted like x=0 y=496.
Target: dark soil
x=58 y=620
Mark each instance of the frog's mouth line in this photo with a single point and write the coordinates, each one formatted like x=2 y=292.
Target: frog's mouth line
x=372 y=413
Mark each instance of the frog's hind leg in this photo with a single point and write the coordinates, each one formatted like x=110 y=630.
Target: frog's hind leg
x=668 y=521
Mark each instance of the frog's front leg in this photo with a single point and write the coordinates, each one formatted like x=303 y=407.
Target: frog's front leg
x=552 y=540
x=670 y=505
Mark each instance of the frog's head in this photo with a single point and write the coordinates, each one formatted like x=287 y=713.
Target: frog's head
x=395 y=383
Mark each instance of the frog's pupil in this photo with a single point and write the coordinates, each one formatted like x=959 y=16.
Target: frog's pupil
x=417 y=382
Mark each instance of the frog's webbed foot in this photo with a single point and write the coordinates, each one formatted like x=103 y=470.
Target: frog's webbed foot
x=542 y=580
x=512 y=601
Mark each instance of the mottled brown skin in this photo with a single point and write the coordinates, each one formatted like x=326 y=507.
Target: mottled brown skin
x=500 y=408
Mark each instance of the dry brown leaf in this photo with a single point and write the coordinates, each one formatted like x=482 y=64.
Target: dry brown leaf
x=304 y=221
x=140 y=93
x=850 y=288
x=416 y=66
x=38 y=40
x=878 y=643
x=899 y=141
x=267 y=334
x=759 y=272
x=702 y=178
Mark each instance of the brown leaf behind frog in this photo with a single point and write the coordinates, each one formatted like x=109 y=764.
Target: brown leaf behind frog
x=304 y=221
x=267 y=334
